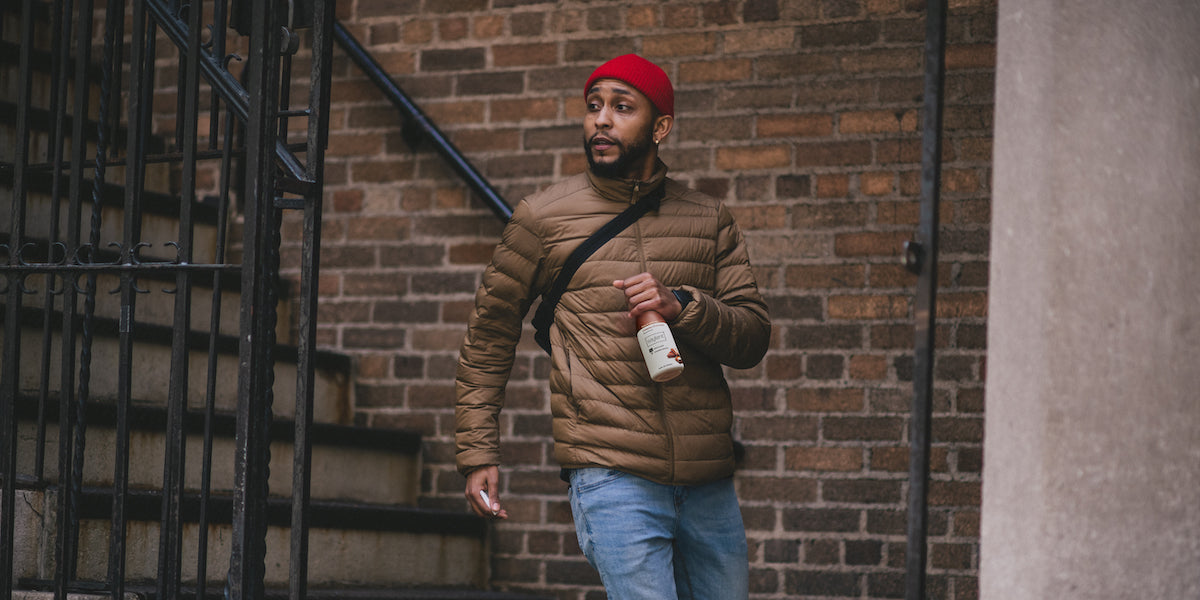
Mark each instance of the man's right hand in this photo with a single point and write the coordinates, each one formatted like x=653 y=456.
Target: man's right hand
x=485 y=479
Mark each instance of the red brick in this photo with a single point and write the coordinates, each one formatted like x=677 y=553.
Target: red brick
x=347 y=200
x=868 y=367
x=752 y=488
x=833 y=186
x=954 y=493
x=519 y=55
x=870 y=61
x=475 y=253
x=870 y=243
x=374 y=284
x=961 y=305
x=372 y=366
x=484 y=140
x=825 y=276
x=445 y=113
x=754 y=157
x=829 y=216
x=960 y=181
x=898 y=213
x=877 y=121
x=382 y=171
x=439 y=338
x=880 y=183
x=833 y=154
x=533 y=109
x=686 y=44
x=780 y=428
x=715 y=71
x=354 y=144
x=418 y=31
x=800 y=125
x=966 y=523
x=782 y=366
x=642 y=17
x=487 y=27
x=378 y=228
x=681 y=15
x=760 y=217
x=973 y=56
x=825 y=400
x=884 y=7
x=896 y=459
x=759 y=39
x=869 y=306
x=823 y=459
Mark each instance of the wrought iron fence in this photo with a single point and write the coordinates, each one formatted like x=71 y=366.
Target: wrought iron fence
x=88 y=176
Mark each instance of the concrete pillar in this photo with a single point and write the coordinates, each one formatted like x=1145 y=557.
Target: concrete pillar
x=1091 y=479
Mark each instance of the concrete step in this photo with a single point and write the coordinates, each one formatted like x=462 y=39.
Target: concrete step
x=351 y=544
x=151 y=366
x=341 y=454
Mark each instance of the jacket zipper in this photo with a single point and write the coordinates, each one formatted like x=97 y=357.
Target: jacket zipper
x=658 y=388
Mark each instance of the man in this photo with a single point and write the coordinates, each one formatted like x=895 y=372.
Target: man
x=650 y=465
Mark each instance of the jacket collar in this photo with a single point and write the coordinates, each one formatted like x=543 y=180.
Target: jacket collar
x=628 y=191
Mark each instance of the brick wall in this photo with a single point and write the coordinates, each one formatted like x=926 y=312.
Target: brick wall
x=803 y=116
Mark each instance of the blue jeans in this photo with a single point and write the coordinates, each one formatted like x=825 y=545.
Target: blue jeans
x=651 y=541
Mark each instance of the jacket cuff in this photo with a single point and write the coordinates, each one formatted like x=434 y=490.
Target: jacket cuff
x=687 y=314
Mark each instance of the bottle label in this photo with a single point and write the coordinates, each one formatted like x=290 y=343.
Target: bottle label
x=658 y=348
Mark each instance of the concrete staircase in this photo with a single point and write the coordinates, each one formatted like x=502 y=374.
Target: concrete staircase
x=368 y=538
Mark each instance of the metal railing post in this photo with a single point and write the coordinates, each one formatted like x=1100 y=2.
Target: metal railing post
x=921 y=258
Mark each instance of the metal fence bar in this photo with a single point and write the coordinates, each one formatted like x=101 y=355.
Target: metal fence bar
x=922 y=257
x=205 y=493
x=60 y=58
x=171 y=532
x=141 y=85
x=11 y=354
x=257 y=329
x=65 y=537
x=318 y=119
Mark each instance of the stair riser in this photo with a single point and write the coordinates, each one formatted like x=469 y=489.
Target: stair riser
x=39 y=90
x=350 y=557
x=157 y=230
x=157 y=307
x=394 y=477
x=150 y=379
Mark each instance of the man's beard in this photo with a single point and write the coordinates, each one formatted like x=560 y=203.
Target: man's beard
x=627 y=156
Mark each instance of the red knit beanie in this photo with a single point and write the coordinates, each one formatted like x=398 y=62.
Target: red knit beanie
x=642 y=74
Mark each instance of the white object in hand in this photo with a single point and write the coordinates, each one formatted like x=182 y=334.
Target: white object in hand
x=486 y=500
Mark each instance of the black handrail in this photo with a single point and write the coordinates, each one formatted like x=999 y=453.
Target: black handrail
x=426 y=127
x=921 y=257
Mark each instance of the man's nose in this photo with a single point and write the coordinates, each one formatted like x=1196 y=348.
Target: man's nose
x=604 y=117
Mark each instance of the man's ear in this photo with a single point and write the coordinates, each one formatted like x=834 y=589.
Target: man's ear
x=662 y=127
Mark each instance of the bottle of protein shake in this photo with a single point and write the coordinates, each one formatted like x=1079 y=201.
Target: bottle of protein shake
x=658 y=347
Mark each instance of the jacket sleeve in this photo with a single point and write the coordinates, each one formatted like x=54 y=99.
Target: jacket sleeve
x=732 y=325
x=489 y=348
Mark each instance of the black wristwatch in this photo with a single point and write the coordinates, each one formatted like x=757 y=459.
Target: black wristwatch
x=684 y=297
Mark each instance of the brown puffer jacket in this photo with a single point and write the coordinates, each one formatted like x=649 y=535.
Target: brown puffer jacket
x=607 y=412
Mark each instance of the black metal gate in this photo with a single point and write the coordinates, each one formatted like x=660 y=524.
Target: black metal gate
x=110 y=205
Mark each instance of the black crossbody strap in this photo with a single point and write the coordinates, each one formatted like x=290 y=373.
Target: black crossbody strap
x=545 y=312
